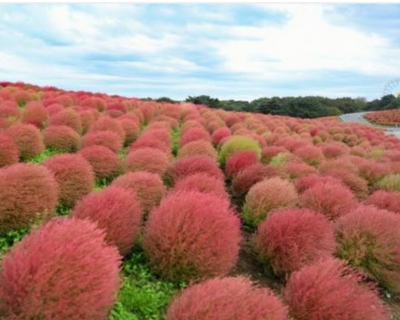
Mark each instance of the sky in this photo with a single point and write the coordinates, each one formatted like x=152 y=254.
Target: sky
x=227 y=51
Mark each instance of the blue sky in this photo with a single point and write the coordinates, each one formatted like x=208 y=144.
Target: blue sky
x=225 y=50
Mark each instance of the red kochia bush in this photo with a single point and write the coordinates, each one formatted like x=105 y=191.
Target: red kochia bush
x=115 y=210
x=194 y=134
x=192 y=235
x=64 y=270
x=330 y=198
x=226 y=299
x=330 y=290
x=290 y=239
x=61 y=138
x=27 y=192
x=388 y=200
x=266 y=196
x=28 y=140
x=131 y=128
x=199 y=147
x=9 y=153
x=368 y=238
x=219 y=134
x=148 y=187
x=147 y=159
x=74 y=175
x=34 y=113
x=201 y=182
x=68 y=117
x=193 y=164
x=105 y=163
x=108 y=124
x=240 y=161
x=107 y=139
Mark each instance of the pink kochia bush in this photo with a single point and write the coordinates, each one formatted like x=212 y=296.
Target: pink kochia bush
x=388 y=200
x=328 y=197
x=330 y=290
x=27 y=193
x=226 y=299
x=147 y=159
x=74 y=175
x=9 y=153
x=115 y=210
x=68 y=117
x=148 y=187
x=368 y=238
x=64 y=270
x=34 y=113
x=292 y=238
x=266 y=196
x=198 y=147
x=61 y=138
x=191 y=236
x=107 y=139
x=240 y=161
x=28 y=140
x=105 y=163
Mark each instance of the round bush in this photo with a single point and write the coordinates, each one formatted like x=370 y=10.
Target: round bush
x=328 y=197
x=150 y=143
x=107 y=139
x=390 y=182
x=266 y=196
x=27 y=139
x=117 y=211
x=64 y=270
x=34 y=113
x=108 y=124
x=310 y=154
x=147 y=159
x=292 y=238
x=68 y=117
x=240 y=161
x=220 y=134
x=74 y=175
x=132 y=130
x=192 y=235
x=61 y=138
x=193 y=164
x=201 y=182
x=148 y=187
x=226 y=299
x=105 y=163
x=199 y=147
x=330 y=290
x=238 y=143
x=387 y=200
x=9 y=153
x=27 y=193
x=194 y=134
x=368 y=238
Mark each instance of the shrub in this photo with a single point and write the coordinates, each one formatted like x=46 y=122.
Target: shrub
x=28 y=140
x=107 y=139
x=147 y=159
x=226 y=299
x=27 y=193
x=390 y=182
x=131 y=129
x=34 y=113
x=117 y=211
x=64 y=270
x=292 y=238
x=192 y=235
x=330 y=198
x=74 y=175
x=61 y=138
x=245 y=179
x=270 y=152
x=161 y=134
x=148 y=187
x=387 y=200
x=334 y=149
x=310 y=154
x=108 y=124
x=150 y=143
x=201 y=182
x=105 y=163
x=199 y=147
x=194 y=134
x=220 y=134
x=303 y=183
x=52 y=109
x=296 y=169
x=266 y=196
x=88 y=117
x=240 y=161
x=368 y=238
x=329 y=289
x=238 y=143
x=9 y=153
x=68 y=117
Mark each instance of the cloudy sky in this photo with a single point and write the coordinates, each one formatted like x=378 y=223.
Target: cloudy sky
x=223 y=50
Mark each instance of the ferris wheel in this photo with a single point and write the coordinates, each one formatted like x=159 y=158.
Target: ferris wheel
x=392 y=87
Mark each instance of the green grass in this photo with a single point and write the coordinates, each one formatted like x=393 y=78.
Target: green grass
x=175 y=139
x=8 y=239
x=44 y=155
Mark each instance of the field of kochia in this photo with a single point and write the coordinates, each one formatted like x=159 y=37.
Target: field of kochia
x=114 y=208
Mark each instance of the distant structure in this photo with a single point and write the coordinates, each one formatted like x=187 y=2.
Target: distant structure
x=392 y=87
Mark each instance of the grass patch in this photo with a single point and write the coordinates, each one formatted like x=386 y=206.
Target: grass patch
x=44 y=155
x=175 y=133
x=8 y=239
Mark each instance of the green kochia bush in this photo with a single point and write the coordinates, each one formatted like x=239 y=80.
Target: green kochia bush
x=238 y=143
x=64 y=270
x=192 y=235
